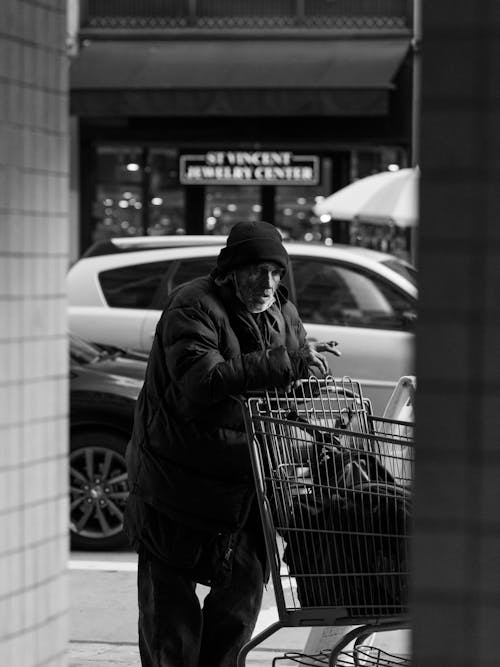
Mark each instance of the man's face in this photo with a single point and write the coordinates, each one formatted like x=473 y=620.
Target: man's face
x=257 y=284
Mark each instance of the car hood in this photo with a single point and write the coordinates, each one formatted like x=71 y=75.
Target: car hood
x=109 y=375
x=120 y=366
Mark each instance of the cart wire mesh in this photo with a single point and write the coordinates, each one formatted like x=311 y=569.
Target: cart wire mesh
x=334 y=490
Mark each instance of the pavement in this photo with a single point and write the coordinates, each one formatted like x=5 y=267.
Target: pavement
x=103 y=619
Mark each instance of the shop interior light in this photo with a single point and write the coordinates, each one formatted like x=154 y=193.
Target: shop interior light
x=157 y=201
x=123 y=203
x=325 y=217
x=132 y=166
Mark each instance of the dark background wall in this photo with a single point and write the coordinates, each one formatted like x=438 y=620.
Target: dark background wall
x=457 y=543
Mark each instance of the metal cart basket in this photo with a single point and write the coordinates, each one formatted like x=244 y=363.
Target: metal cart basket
x=334 y=492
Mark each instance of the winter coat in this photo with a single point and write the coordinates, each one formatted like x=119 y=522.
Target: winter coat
x=188 y=456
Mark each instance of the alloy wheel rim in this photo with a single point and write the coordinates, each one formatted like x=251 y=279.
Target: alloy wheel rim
x=98 y=492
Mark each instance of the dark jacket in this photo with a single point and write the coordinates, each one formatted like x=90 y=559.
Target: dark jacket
x=188 y=456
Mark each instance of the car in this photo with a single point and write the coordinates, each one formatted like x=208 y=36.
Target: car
x=364 y=299
x=104 y=385
x=134 y=243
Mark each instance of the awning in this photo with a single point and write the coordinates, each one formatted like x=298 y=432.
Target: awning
x=237 y=77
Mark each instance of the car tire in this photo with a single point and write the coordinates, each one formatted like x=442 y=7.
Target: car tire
x=98 y=490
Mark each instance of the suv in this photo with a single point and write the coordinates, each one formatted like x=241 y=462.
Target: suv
x=365 y=300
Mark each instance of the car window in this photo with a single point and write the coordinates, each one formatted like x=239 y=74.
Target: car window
x=329 y=293
x=403 y=268
x=133 y=286
x=189 y=269
x=182 y=272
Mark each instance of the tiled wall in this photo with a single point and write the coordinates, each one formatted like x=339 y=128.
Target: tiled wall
x=457 y=540
x=33 y=348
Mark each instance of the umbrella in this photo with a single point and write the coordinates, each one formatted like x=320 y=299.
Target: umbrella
x=387 y=197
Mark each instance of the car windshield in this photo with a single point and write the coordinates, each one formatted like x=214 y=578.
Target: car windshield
x=82 y=352
x=403 y=268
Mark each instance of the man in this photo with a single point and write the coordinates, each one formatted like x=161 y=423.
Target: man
x=191 y=512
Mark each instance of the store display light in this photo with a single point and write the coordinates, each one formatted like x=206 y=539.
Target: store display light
x=132 y=166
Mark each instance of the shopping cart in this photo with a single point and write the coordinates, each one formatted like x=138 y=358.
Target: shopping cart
x=334 y=492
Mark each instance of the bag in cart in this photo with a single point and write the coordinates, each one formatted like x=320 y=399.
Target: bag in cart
x=352 y=552
x=347 y=541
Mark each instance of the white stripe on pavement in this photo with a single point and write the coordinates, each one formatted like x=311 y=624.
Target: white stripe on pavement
x=103 y=565
x=131 y=566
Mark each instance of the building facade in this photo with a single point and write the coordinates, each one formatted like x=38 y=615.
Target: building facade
x=191 y=115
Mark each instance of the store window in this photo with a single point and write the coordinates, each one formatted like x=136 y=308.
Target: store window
x=227 y=204
x=165 y=214
x=118 y=198
x=368 y=161
x=136 y=192
x=294 y=207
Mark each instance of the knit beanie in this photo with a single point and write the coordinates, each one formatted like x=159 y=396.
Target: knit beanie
x=252 y=243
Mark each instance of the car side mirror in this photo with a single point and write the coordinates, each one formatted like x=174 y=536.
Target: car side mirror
x=409 y=318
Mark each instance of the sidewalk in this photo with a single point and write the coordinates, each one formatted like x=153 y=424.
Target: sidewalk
x=103 y=622
x=89 y=654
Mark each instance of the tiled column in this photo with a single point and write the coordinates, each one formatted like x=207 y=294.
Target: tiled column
x=33 y=347
x=457 y=536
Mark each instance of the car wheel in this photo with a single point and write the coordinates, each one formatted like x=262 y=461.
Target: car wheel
x=98 y=490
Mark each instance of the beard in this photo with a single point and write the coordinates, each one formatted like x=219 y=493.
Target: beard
x=254 y=303
x=260 y=305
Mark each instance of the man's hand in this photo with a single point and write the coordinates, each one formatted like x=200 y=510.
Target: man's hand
x=315 y=359
x=330 y=346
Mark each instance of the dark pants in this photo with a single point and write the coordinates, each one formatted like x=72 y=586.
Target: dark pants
x=174 y=631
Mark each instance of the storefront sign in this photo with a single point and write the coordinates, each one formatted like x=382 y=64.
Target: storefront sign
x=252 y=167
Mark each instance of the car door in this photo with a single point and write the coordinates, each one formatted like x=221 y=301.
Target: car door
x=371 y=319
x=181 y=271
